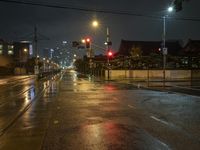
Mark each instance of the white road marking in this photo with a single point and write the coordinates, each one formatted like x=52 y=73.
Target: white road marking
x=159 y=120
x=130 y=106
x=165 y=146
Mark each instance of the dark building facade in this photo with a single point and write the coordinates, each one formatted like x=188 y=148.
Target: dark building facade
x=21 y=51
x=192 y=48
x=148 y=47
x=11 y=52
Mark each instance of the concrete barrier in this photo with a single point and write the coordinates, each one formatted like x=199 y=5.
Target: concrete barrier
x=153 y=74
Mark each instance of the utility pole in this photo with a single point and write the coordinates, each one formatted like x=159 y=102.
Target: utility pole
x=108 y=43
x=35 y=41
x=164 y=50
x=35 y=38
x=36 y=67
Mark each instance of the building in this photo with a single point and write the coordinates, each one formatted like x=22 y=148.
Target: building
x=192 y=48
x=6 y=53
x=191 y=54
x=145 y=48
x=13 y=52
x=47 y=53
x=22 y=51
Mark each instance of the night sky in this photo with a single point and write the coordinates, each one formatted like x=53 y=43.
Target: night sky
x=18 y=21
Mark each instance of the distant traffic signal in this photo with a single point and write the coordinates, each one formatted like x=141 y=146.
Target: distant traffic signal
x=75 y=44
x=110 y=54
x=87 y=43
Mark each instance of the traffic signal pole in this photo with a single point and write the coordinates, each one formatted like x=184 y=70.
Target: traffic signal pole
x=36 y=67
x=89 y=53
x=108 y=48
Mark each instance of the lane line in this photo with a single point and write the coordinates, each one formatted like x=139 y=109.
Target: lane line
x=156 y=139
x=180 y=129
x=160 y=120
x=130 y=106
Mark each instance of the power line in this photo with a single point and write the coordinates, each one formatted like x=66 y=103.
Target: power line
x=95 y=10
x=77 y=8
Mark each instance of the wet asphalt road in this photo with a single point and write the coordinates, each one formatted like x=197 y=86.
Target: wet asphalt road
x=76 y=112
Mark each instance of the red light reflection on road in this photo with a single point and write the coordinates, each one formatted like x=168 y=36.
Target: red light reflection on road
x=102 y=135
x=109 y=87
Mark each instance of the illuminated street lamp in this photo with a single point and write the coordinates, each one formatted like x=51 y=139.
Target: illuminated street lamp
x=83 y=41
x=95 y=23
x=164 y=50
x=108 y=43
x=170 y=9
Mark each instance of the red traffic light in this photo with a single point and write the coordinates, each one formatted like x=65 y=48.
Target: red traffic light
x=88 y=43
x=110 y=54
x=88 y=40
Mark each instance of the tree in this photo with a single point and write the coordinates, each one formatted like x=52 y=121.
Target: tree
x=155 y=60
x=135 y=58
x=178 y=4
x=136 y=51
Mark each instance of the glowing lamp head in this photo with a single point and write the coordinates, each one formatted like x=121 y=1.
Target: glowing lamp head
x=83 y=40
x=95 y=23
x=170 y=9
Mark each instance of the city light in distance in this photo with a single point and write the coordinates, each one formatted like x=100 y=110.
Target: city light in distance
x=25 y=49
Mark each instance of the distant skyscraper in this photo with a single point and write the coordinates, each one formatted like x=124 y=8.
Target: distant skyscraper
x=46 y=53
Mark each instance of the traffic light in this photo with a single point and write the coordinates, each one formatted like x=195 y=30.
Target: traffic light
x=75 y=44
x=110 y=54
x=178 y=5
x=87 y=43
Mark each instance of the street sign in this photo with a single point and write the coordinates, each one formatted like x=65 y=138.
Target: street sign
x=165 y=51
x=36 y=69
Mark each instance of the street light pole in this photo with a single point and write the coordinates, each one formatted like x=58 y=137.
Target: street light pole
x=164 y=50
x=108 y=44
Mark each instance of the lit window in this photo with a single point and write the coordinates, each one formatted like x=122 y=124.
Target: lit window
x=1 y=47
x=1 y=52
x=10 y=47
x=30 y=49
x=10 y=52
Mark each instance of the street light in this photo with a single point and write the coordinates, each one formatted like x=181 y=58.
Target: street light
x=164 y=50
x=170 y=9
x=83 y=41
x=95 y=23
x=108 y=43
x=44 y=65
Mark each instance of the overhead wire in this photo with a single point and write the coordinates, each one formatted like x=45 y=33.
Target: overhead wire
x=114 y=12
